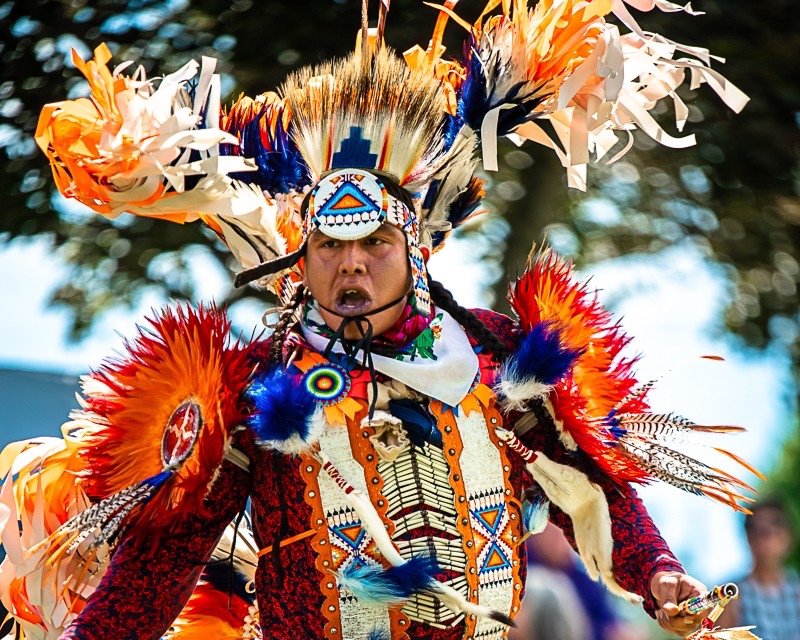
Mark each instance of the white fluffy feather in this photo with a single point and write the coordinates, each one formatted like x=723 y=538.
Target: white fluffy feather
x=585 y=503
x=516 y=395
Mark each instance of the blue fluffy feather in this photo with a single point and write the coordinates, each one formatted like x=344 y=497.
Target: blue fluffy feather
x=541 y=356
x=389 y=586
x=379 y=634
x=280 y=165
x=283 y=406
x=535 y=512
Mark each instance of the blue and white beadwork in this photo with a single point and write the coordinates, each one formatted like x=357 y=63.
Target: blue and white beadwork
x=348 y=205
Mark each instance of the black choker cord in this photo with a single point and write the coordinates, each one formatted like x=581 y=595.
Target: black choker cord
x=362 y=343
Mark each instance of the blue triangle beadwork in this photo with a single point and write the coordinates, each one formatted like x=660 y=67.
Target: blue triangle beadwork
x=337 y=204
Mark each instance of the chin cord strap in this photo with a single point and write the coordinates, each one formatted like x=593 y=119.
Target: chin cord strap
x=362 y=343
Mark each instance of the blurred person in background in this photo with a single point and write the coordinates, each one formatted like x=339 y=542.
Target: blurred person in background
x=562 y=602
x=769 y=596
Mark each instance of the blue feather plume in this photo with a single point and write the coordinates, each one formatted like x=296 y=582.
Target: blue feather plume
x=541 y=357
x=478 y=94
x=535 y=512
x=281 y=167
x=389 y=586
x=283 y=406
x=379 y=634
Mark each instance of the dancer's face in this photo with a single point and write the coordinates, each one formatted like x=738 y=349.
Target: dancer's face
x=352 y=277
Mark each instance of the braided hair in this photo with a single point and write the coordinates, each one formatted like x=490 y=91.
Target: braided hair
x=287 y=318
x=443 y=299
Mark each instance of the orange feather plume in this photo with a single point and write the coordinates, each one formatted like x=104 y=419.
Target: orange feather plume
x=601 y=377
x=598 y=403
x=210 y=613
x=170 y=403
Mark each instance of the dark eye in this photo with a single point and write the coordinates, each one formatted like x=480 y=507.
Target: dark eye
x=375 y=240
x=328 y=244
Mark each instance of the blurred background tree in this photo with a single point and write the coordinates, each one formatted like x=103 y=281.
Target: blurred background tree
x=735 y=195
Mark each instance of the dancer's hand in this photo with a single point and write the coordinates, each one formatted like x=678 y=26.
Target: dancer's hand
x=670 y=588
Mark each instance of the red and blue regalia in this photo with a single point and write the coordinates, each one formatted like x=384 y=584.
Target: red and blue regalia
x=306 y=484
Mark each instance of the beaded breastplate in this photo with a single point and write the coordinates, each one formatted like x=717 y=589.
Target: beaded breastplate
x=447 y=496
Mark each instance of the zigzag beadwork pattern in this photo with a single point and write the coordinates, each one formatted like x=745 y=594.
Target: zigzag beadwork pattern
x=490 y=521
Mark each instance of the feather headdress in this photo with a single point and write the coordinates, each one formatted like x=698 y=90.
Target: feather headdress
x=560 y=73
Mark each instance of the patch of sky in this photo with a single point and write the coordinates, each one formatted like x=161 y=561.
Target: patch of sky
x=600 y=211
x=206 y=277
x=668 y=230
x=783 y=330
x=171 y=30
x=16 y=142
x=623 y=184
x=156 y=49
x=32 y=181
x=689 y=213
x=44 y=49
x=25 y=26
x=176 y=6
x=77 y=88
x=468 y=264
x=638 y=222
x=227 y=84
x=695 y=180
x=224 y=42
x=116 y=25
x=70 y=210
x=10 y=108
x=84 y=14
x=562 y=239
x=65 y=43
x=148 y=19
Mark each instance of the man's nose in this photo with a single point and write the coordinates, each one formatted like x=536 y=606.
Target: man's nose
x=353 y=258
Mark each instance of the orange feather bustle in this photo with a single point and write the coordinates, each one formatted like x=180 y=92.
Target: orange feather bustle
x=599 y=404
x=184 y=357
x=600 y=377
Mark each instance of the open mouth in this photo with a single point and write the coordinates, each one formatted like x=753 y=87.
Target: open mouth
x=352 y=302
